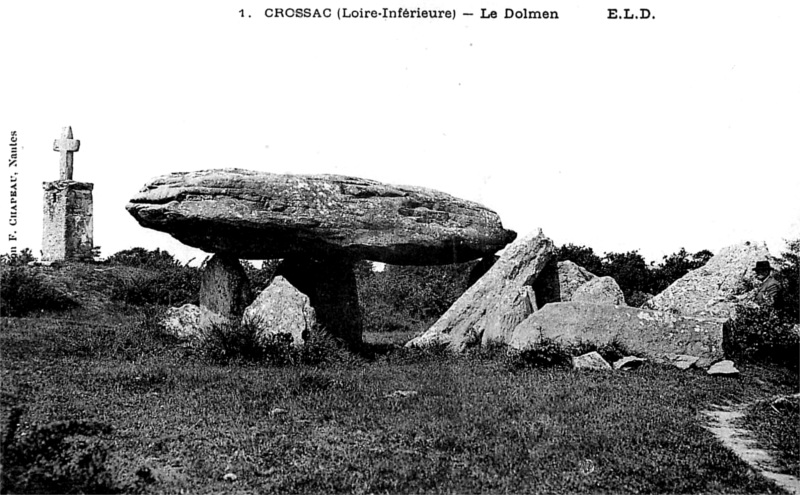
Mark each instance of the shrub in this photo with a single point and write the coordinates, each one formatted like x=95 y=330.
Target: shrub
x=21 y=259
x=59 y=457
x=142 y=258
x=788 y=299
x=408 y=298
x=761 y=334
x=23 y=291
x=172 y=286
x=545 y=354
x=224 y=342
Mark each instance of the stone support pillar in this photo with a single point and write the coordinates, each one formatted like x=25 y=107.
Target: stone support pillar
x=224 y=287
x=331 y=287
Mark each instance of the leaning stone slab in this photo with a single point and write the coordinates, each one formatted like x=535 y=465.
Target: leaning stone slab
x=706 y=291
x=591 y=361
x=282 y=309
x=259 y=215
x=492 y=307
x=651 y=334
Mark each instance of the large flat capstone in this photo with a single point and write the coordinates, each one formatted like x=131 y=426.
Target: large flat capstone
x=259 y=215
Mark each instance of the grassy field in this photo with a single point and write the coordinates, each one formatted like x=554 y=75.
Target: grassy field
x=109 y=404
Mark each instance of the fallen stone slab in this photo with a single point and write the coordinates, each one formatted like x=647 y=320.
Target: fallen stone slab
x=259 y=215
x=492 y=307
x=651 y=334
x=708 y=290
x=723 y=368
x=591 y=361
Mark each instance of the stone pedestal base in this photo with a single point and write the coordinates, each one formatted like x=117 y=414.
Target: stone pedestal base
x=331 y=287
x=68 y=221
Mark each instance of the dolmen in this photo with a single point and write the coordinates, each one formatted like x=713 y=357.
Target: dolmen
x=319 y=225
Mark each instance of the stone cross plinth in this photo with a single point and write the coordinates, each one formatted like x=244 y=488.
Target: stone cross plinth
x=68 y=209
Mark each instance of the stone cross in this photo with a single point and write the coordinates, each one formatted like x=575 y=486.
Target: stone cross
x=66 y=146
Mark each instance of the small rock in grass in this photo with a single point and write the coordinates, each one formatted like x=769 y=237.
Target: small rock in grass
x=629 y=363
x=278 y=412
x=723 y=368
x=401 y=394
x=230 y=477
x=682 y=361
x=591 y=361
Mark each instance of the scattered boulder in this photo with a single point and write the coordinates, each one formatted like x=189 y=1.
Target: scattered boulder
x=723 y=368
x=190 y=322
x=682 y=361
x=651 y=334
x=629 y=363
x=489 y=310
x=591 y=361
x=259 y=215
x=600 y=290
x=224 y=287
x=282 y=309
x=708 y=290
x=184 y=322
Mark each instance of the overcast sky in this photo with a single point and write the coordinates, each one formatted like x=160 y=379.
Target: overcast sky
x=649 y=135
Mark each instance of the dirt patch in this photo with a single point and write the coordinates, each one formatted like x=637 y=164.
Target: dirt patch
x=721 y=422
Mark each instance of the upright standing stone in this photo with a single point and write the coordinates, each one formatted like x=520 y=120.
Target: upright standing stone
x=68 y=218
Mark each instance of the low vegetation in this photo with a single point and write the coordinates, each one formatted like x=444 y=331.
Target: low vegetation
x=122 y=407
x=24 y=292
x=98 y=399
